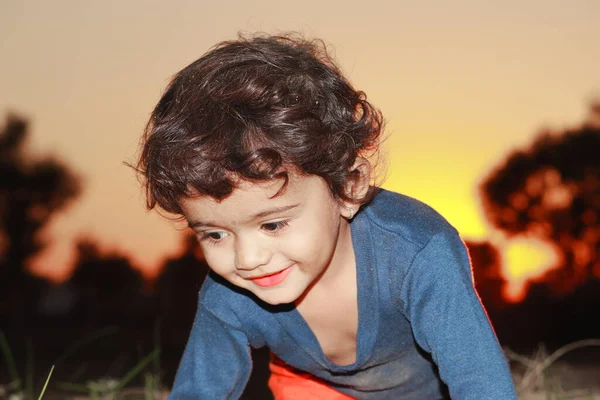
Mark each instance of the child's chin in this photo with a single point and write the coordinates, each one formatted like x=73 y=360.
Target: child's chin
x=278 y=297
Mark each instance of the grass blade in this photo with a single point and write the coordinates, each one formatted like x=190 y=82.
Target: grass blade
x=29 y=369
x=547 y=361
x=46 y=383
x=137 y=369
x=111 y=330
x=10 y=361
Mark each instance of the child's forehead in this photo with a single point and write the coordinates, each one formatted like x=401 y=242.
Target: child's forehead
x=293 y=183
x=289 y=178
x=250 y=199
x=294 y=186
x=270 y=188
x=243 y=187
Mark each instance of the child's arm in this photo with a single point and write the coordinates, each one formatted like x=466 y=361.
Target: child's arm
x=216 y=363
x=449 y=321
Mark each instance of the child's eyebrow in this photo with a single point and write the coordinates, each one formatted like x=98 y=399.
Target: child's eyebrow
x=262 y=214
x=273 y=210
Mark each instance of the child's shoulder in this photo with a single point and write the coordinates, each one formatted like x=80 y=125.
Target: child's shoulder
x=215 y=289
x=407 y=217
x=232 y=305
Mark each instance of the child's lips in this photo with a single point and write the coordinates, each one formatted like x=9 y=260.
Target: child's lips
x=272 y=279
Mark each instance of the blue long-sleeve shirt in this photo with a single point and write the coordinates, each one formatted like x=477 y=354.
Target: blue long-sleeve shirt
x=421 y=324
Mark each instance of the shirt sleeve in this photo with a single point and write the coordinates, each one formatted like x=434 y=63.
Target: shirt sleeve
x=449 y=322
x=216 y=363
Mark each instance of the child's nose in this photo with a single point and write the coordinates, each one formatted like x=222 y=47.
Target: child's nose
x=251 y=254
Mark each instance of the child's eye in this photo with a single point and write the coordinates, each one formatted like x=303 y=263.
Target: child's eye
x=274 y=226
x=213 y=236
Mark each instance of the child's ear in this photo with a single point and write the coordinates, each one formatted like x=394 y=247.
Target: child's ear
x=357 y=185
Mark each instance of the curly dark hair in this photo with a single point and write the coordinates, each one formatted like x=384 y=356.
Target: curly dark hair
x=255 y=108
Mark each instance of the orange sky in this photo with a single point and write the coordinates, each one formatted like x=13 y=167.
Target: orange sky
x=460 y=86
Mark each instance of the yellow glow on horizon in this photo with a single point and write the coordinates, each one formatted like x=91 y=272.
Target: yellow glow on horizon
x=451 y=195
x=524 y=260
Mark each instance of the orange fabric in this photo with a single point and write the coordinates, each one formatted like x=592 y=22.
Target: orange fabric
x=287 y=383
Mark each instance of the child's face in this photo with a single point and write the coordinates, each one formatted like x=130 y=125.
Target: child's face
x=275 y=247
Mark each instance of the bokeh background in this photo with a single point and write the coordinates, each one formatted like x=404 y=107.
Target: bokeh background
x=492 y=118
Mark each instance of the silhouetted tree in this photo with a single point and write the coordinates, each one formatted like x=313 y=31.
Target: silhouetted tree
x=109 y=288
x=178 y=285
x=32 y=191
x=487 y=273
x=551 y=191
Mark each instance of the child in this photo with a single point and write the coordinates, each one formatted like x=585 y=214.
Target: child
x=263 y=146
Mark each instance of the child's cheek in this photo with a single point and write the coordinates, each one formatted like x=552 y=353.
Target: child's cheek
x=219 y=260
x=301 y=244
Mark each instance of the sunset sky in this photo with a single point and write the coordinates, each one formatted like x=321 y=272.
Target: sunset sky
x=460 y=83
